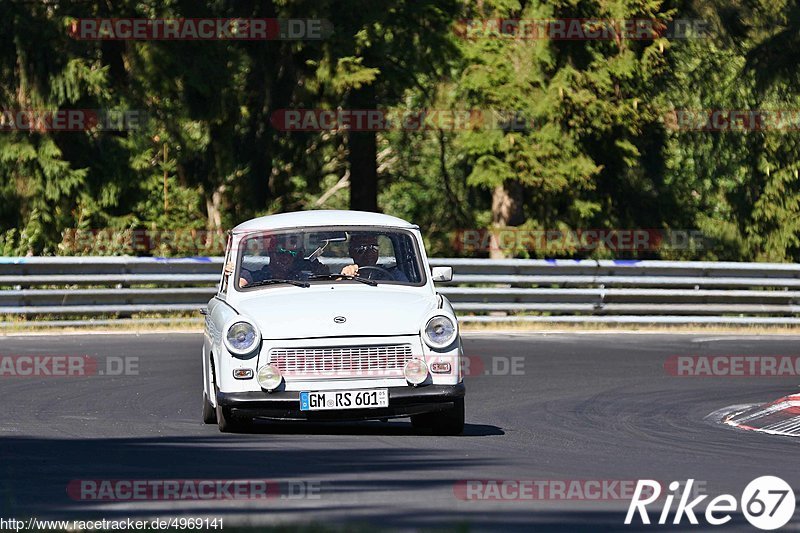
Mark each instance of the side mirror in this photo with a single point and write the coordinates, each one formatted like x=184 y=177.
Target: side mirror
x=442 y=273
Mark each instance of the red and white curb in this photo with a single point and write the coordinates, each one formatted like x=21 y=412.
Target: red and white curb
x=781 y=417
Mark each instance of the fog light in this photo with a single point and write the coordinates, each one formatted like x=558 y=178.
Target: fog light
x=269 y=377
x=415 y=371
x=242 y=373
x=440 y=368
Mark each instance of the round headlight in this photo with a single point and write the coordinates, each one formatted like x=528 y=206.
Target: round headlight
x=415 y=371
x=241 y=338
x=440 y=332
x=269 y=377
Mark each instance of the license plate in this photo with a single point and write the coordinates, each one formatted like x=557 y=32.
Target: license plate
x=343 y=399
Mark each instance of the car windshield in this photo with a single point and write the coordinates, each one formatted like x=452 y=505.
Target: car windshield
x=329 y=255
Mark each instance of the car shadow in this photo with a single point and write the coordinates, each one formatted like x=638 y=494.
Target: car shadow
x=36 y=473
x=358 y=428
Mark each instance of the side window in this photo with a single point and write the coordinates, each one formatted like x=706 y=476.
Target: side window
x=227 y=268
x=407 y=258
x=386 y=254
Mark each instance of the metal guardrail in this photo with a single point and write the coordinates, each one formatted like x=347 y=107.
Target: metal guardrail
x=482 y=290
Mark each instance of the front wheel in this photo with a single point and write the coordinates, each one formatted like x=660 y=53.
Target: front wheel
x=448 y=422
x=228 y=423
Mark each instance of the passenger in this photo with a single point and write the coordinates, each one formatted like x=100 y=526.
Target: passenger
x=286 y=261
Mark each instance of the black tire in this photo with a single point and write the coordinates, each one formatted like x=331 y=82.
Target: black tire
x=209 y=413
x=448 y=422
x=228 y=423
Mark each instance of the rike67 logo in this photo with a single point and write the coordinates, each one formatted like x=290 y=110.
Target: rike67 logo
x=767 y=502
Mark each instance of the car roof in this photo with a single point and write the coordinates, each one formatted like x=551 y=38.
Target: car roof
x=322 y=217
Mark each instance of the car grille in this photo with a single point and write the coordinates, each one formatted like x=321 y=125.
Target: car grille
x=380 y=360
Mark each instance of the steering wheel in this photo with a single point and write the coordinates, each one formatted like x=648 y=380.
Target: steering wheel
x=380 y=270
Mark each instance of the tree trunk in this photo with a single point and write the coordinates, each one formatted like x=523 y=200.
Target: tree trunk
x=506 y=211
x=215 y=236
x=362 y=156
x=214 y=208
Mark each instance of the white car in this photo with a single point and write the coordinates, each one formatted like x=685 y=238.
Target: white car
x=331 y=315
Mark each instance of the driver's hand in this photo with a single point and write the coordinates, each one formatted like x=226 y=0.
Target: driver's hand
x=350 y=270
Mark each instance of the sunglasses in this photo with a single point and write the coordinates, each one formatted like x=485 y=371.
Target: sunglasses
x=283 y=250
x=364 y=248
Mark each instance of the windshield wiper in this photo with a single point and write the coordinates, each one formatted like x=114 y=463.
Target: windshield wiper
x=345 y=276
x=274 y=281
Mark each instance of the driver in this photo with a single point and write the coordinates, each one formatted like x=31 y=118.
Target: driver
x=364 y=251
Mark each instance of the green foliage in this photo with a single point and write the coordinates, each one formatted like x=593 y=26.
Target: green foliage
x=595 y=150
x=739 y=187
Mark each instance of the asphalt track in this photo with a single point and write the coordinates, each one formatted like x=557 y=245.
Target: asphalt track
x=577 y=407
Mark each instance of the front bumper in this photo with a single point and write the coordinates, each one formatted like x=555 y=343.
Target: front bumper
x=403 y=402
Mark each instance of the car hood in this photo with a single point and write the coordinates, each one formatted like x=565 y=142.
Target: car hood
x=295 y=312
